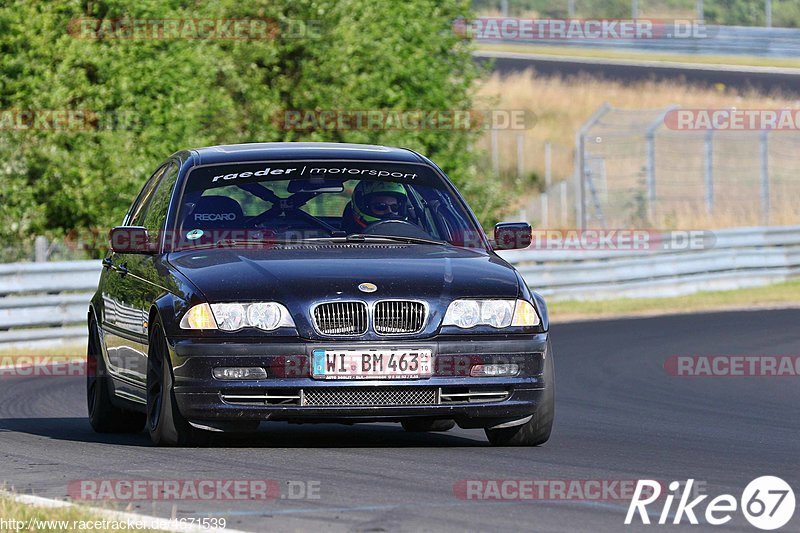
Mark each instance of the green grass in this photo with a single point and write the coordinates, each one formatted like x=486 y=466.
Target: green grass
x=771 y=296
x=33 y=517
x=593 y=53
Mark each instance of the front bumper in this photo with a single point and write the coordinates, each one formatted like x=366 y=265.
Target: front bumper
x=290 y=393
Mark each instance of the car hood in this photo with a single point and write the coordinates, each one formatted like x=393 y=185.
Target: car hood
x=301 y=275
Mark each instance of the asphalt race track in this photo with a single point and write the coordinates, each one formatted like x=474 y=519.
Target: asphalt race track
x=763 y=79
x=619 y=416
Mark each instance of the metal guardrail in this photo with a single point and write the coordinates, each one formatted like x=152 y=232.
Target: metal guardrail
x=46 y=303
x=738 y=258
x=717 y=40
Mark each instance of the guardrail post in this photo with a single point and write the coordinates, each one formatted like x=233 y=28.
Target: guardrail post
x=708 y=159
x=40 y=249
x=765 y=204
x=580 y=168
x=768 y=9
x=495 y=153
x=650 y=165
x=580 y=165
x=545 y=209
x=548 y=165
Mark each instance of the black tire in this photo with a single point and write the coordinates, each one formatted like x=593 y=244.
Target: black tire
x=419 y=425
x=104 y=416
x=536 y=431
x=166 y=425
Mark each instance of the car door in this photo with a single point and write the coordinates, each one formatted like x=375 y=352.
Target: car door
x=123 y=322
x=147 y=274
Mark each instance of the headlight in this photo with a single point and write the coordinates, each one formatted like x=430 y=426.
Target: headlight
x=463 y=313
x=267 y=316
x=497 y=313
x=467 y=314
x=199 y=317
x=230 y=317
x=525 y=314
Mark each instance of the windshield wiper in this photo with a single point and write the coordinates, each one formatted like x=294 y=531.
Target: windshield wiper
x=360 y=237
x=225 y=243
x=353 y=238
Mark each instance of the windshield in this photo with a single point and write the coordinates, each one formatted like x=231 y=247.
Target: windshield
x=300 y=201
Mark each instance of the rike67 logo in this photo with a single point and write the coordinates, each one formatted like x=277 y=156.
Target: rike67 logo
x=767 y=502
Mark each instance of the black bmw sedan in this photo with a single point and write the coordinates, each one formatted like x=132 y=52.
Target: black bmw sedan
x=313 y=283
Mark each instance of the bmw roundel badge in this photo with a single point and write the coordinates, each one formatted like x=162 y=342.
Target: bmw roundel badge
x=368 y=287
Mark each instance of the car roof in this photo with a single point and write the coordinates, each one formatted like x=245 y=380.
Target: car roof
x=236 y=153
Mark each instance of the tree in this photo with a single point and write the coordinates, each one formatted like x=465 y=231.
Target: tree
x=146 y=98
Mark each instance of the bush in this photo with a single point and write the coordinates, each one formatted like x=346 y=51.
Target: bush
x=153 y=97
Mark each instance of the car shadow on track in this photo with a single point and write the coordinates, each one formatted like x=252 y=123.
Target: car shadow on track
x=270 y=435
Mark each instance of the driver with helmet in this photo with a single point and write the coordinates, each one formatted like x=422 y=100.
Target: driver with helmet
x=372 y=202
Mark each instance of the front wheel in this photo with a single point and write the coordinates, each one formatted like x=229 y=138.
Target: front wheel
x=165 y=423
x=535 y=431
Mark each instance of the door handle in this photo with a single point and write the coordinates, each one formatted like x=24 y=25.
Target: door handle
x=107 y=263
x=122 y=269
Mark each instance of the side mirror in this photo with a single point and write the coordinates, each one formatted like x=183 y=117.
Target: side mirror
x=132 y=240
x=512 y=235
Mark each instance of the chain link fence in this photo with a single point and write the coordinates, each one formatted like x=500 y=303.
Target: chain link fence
x=635 y=168
x=641 y=168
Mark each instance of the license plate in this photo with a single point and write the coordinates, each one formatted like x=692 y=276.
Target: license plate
x=371 y=364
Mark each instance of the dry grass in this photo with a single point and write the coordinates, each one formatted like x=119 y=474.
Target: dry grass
x=563 y=105
x=778 y=296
